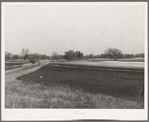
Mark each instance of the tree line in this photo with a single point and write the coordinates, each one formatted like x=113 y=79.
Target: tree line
x=69 y=55
x=26 y=55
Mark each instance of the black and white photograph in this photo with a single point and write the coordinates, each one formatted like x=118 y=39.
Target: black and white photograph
x=74 y=60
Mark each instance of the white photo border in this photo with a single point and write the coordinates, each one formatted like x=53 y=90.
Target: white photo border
x=73 y=114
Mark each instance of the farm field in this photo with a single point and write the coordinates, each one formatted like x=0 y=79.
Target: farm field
x=17 y=68
x=99 y=59
x=132 y=59
x=138 y=59
x=15 y=60
x=106 y=64
x=62 y=87
x=11 y=64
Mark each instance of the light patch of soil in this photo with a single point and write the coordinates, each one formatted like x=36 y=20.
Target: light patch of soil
x=109 y=64
x=13 y=76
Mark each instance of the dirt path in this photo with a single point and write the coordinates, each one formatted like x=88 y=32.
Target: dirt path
x=13 y=74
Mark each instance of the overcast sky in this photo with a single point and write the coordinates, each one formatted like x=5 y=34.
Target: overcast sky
x=86 y=28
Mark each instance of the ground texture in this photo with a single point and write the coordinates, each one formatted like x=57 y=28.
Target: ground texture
x=61 y=87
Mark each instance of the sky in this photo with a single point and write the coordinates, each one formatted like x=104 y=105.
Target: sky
x=90 y=29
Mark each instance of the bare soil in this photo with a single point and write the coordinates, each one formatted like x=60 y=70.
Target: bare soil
x=61 y=87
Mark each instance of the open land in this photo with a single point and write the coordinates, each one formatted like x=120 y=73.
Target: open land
x=15 y=63
x=106 y=64
x=57 y=86
x=136 y=59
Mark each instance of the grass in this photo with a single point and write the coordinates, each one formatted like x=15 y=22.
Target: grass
x=15 y=60
x=59 y=96
x=75 y=88
x=9 y=66
x=12 y=64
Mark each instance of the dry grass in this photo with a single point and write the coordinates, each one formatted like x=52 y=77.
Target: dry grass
x=20 y=94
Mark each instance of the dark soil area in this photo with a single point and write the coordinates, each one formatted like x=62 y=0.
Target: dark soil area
x=13 y=64
x=124 y=84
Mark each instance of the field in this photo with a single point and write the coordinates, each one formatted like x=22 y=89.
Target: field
x=11 y=64
x=53 y=86
x=138 y=59
x=15 y=63
x=106 y=64
x=132 y=59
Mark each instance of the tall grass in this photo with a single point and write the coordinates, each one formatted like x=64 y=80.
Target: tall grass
x=21 y=95
x=60 y=88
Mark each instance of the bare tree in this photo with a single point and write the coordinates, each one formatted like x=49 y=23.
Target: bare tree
x=113 y=53
x=25 y=53
x=7 y=55
x=54 y=55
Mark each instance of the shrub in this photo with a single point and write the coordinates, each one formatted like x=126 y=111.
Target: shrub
x=33 y=58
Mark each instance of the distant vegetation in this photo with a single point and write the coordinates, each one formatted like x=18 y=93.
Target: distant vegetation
x=8 y=55
x=71 y=55
x=26 y=56
x=111 y=53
